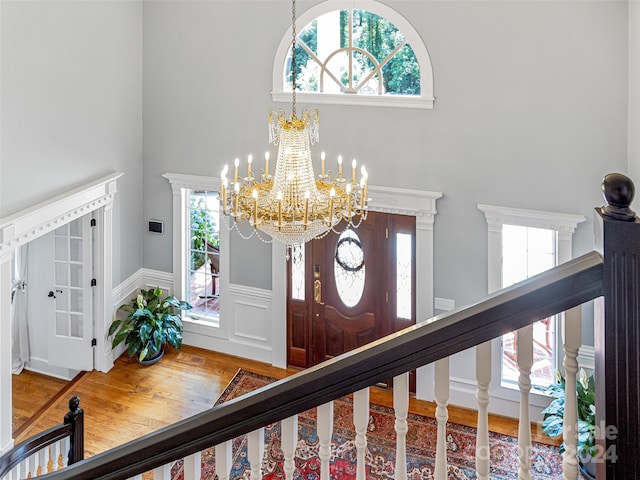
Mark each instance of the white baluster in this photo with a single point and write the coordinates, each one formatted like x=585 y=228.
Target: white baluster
x=55 y=455
x=192 y=467
x=65 y=447
x=401 y=409
x=483 y=377
x=360 y=421
x=325 y=430
x=289 y=440
x=572 y=338
x=524 y=352
x=32 y=465
x=17 y=471
x=442 y=415
x=255 y=452
x=223 y=460
x=163 y=472
x=43 y=460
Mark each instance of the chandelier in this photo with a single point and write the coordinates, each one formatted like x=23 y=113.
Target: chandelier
x=292 y=205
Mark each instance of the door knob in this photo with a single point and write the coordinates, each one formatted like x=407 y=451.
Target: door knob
x=53 y=295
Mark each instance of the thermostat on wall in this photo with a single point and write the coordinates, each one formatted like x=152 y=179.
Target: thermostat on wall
x=156 y=226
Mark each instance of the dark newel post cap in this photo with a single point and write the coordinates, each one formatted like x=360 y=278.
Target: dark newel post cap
x=74 y=409
x=618 y=192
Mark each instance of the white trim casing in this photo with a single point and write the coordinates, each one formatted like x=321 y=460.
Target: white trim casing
x=237 y=301
x=35 y=221
x=27 y=225
x=181 y=184
x=425 y=100
x=505 y=400
x=418 y=203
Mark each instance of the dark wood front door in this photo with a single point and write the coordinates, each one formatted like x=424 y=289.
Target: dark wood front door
x=343 y=290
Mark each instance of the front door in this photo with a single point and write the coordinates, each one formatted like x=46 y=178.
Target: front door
x=346 y=290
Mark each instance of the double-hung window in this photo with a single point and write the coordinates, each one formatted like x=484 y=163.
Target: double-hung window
x=523 y=243
x=200 y=262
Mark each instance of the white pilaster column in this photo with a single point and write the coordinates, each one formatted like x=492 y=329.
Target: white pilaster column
x=104 y=270
x=6 y=407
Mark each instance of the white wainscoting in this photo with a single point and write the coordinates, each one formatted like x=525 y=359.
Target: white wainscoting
x=245 y=325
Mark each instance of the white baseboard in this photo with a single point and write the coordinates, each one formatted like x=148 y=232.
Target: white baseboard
x=40 y=365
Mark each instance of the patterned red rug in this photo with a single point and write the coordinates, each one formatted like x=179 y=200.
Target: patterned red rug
x=421 y=445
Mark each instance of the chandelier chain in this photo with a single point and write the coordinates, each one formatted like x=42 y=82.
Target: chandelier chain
x=294 y=72
x=292 y=205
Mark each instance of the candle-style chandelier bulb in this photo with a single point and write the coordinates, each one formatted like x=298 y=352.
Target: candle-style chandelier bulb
x=292 y=205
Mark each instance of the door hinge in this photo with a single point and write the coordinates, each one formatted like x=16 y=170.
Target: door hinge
x=386 y=233
x=387 y=297
x=93 y=222
x=94 y=342
x=94 y=282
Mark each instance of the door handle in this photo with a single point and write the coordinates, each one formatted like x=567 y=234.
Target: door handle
x=53 y=295
x=317 y=292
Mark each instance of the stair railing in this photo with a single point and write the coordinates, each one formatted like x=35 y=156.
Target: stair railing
x=51 y=450
x=548 y=293
x=611 y=277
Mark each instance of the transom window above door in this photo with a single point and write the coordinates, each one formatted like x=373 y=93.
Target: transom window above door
x=358 y=52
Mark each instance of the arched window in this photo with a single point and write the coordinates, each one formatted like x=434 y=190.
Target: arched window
x=355 y=52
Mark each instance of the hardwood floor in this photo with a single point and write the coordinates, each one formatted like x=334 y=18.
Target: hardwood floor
x=131 y=400
x=31 y=393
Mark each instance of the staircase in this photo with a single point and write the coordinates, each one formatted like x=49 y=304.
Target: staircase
x=611 y=276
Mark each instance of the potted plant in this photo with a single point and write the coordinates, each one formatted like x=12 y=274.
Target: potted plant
x=151 y=323
x=554 y=413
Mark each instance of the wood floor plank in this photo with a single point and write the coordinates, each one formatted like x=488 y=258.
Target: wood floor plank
x=132 y=400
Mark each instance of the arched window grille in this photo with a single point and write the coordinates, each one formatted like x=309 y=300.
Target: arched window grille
x=358 y=52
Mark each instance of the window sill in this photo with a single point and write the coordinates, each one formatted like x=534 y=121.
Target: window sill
x=402 y=101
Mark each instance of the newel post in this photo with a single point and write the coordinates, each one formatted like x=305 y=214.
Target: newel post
x=75 y=417
x=617 y=334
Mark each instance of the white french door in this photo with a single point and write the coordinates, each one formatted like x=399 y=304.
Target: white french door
x=71 y=303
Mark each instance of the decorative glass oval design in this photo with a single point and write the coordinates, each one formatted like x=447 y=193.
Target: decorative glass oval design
x=349 y=268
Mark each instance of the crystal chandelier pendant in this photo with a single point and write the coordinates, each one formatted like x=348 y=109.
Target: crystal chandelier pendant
x=293 y=206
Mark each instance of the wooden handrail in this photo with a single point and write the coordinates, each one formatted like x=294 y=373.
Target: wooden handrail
x=548 y=293
x=72 y=426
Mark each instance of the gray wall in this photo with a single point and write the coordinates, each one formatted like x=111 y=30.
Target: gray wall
x=531 y=112
x=72 y=108
x=634 y=94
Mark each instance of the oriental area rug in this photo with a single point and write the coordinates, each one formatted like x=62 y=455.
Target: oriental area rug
x=421 y=446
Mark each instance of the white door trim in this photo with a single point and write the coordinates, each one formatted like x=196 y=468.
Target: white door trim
x=418 y=203
x=31 y=223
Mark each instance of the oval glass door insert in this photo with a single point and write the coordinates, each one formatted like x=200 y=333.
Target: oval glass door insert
x=349 y=268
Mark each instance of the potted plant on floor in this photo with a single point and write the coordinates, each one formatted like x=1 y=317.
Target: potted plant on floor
x=554 y=413
x=151 y=324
